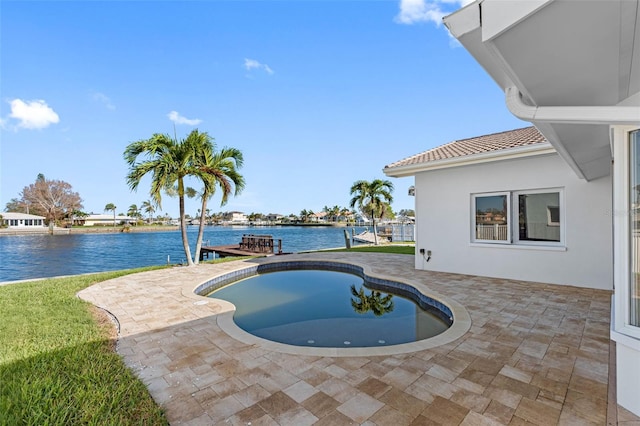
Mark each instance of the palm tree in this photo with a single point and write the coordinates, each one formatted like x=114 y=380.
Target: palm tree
x=371 y=198
x=111 y=207
x=216 y=169
x=346 y=213
x=306 y=214
x=335 y=212
x=148 y=208
x=134 y=212
x=77 y=216
x=168 y=161
x=373 y=302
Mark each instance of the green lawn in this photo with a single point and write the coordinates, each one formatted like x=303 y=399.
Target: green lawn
x=57 y=360
x=387 y=248
x=57 y=363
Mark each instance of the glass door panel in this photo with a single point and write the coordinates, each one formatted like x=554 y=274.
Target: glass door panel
x=634 y=227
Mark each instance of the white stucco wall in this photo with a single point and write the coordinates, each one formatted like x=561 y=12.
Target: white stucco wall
x=443 y=212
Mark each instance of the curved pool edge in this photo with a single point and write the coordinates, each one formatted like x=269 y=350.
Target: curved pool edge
x=461 y=318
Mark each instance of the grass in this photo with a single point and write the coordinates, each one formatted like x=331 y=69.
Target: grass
x=387 y=248
x=57 y=359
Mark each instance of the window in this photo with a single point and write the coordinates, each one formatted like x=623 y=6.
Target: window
x=538 y=213
x=539 y=217
x=491 y=217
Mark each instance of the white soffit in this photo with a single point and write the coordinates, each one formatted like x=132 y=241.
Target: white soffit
x=562 y=53
x=565 y=54
x=500 y=15
x=464 y=20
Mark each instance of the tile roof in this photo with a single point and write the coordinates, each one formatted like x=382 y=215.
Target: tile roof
x=478 y=145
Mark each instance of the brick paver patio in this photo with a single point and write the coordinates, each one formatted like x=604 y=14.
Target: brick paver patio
x=534 y=353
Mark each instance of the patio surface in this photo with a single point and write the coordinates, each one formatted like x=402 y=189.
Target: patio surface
x=535 y=353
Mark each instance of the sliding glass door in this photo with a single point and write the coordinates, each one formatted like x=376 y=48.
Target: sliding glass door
x=634 y=227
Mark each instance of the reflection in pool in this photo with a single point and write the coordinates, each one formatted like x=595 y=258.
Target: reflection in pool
x=324 y=308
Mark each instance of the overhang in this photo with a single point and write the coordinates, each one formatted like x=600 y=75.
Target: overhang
x=572 y=68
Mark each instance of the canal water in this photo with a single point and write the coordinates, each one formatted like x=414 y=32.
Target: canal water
x=38 y=256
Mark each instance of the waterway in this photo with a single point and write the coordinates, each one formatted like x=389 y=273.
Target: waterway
x=39 y=256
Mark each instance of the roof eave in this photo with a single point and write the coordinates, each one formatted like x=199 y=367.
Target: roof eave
x=479 y=26
x=544 y=148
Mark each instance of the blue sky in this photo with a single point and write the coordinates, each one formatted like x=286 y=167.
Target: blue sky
x=316 y=94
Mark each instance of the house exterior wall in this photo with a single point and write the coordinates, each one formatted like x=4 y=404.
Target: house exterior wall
x=443 y=215
x=236 y=217
x=106 y=220
x=22 y=220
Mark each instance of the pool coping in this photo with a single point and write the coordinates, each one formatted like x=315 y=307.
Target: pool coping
x=461 y=318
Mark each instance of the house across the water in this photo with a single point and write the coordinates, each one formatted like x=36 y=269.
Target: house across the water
x=22 y=220
x=106 y=220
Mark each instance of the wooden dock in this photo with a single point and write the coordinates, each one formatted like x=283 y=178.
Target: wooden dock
x=251 y=245
x=225 y=251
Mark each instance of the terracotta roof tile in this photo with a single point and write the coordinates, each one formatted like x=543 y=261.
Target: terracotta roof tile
x=478 y=145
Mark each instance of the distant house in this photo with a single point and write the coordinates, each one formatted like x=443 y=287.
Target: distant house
x=107 y=220
x=319 y=217
x=361 y=218
x=274 y=217
x=22 y=220
x=346 y=217
x=235 y=218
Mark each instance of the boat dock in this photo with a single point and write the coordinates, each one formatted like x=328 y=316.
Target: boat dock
x=367 y=237
x=251 y=245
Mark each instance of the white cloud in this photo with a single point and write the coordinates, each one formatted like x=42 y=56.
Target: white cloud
x=178 y=119
x=103 y=99
x=416 y=11
x=251 y=64
x=32 y=114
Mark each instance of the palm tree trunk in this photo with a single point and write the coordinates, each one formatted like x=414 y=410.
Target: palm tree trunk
x=203 y=214
x=183 y=226
x=373 y=221
x=375 y=230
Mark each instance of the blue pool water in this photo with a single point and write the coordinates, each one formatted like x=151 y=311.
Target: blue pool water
x=323 y=308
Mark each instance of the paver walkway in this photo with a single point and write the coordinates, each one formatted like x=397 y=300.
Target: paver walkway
x=535 y=354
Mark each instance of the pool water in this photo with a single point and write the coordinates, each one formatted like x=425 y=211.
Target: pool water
x=323 y=308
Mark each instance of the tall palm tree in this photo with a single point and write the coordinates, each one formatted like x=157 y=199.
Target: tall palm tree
x=111 y=208
x=371 y=198
x=148 y=208
x=169 y=162
x=134 y=211
x=216 y=169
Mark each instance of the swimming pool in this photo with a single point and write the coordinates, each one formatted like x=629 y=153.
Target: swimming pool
x=449 y=309
x=326 y=308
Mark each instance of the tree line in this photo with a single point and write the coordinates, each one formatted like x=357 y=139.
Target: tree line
x=169 y=162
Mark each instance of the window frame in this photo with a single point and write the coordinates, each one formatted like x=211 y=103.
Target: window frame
x=474 y=239
x=513 y=234
x=516 y=213
x=622 y=329
x=631 y=328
